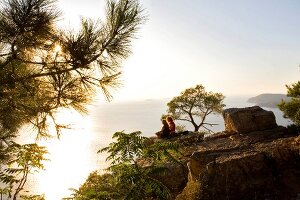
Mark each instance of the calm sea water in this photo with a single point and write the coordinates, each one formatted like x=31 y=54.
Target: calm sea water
x=74 y=156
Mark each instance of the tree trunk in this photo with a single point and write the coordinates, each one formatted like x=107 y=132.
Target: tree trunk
x=193 y=122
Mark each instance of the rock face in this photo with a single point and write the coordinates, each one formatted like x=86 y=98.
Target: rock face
x=258 y=165
x=177 y=177
x=245 y=120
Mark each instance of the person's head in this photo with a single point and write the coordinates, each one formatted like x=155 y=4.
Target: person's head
x=169 y=119
x=164 y=122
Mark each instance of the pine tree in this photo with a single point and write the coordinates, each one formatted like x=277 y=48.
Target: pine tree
x=44 y=69
x=291 y=109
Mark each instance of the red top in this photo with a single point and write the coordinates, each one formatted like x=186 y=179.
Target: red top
x=171 y=126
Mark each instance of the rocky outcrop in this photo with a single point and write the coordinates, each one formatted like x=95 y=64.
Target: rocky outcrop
x=177 y=177
x=245 y=167
x=245 y=120
x=264 y=163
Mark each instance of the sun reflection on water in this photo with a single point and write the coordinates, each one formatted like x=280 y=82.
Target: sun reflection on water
x=72 y=157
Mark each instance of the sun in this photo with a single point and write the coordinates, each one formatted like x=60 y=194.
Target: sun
x=57 y=48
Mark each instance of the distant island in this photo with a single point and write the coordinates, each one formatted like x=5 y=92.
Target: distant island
x=268 y=100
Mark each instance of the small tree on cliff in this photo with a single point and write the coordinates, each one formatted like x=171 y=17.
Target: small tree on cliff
x=195 y=104
x=291 y=109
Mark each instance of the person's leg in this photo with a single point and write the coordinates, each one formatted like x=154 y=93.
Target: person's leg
x=159 y=134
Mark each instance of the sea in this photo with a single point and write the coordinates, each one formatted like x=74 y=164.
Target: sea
x=74 y=155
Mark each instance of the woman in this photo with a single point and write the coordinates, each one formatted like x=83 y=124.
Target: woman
x=171 y=125
x=165 y=132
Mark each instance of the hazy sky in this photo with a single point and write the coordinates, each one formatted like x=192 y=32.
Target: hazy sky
x=229 y=46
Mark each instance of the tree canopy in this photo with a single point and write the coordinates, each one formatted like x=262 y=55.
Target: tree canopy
x=195 y=104
x=43 y=68
x=37 y=79
x=291 y=109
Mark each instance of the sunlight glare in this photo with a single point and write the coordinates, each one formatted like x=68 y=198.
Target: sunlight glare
x=69 y=157
x=57 y=48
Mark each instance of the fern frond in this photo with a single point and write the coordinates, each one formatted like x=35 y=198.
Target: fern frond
x=158 y=188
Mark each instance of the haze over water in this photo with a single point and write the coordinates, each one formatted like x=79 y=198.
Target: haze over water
x=74 y=156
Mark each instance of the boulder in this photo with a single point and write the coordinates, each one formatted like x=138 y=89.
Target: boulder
x=249 y=119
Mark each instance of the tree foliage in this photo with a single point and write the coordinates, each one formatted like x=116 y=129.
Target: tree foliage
x=36 y=79
x=291 y=109
x=195 y=104
x=32 y=197
x=44 y=69
x=99 y=186
x=126 y=148
x=127 y=178
x=26 y=159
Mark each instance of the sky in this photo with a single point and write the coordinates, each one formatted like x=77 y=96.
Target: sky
x=237 y=47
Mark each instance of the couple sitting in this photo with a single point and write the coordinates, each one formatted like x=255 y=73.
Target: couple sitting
x=168 y=129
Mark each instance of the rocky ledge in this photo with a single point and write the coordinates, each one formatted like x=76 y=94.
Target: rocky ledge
x=256 y=163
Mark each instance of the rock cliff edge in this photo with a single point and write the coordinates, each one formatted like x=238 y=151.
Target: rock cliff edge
x=252 y=159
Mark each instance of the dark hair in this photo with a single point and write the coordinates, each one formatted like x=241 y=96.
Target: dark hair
x=164 y=121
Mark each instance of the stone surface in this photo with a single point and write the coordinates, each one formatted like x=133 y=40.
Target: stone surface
x=245 y=120
x=258 y=165
x=177 y=177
